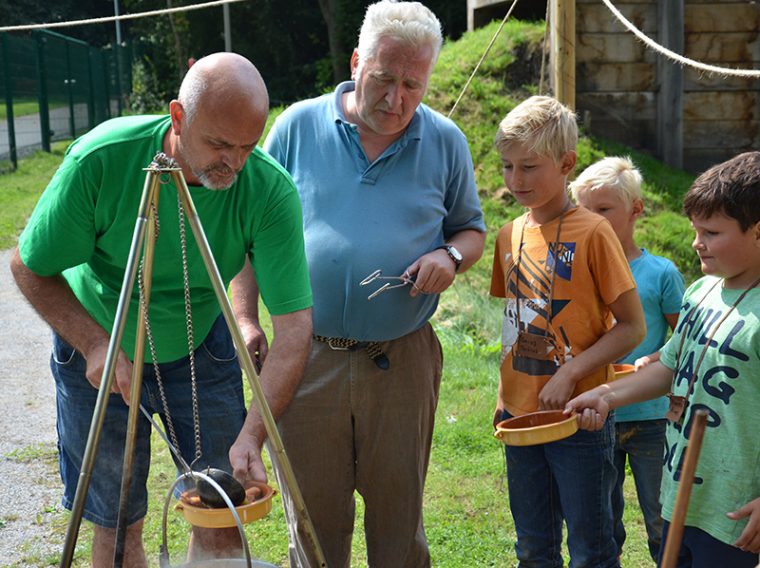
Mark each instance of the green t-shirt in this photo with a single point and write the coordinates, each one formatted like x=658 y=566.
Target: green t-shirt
x=728 y=387
x=84 y=224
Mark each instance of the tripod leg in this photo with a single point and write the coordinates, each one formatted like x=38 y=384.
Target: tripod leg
x=120 y=320
x=246 y=363
x=136 y=384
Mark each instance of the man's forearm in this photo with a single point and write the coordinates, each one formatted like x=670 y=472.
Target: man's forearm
x=470 y=243
x=284 y=367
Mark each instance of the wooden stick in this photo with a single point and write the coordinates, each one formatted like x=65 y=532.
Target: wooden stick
x=675 y=531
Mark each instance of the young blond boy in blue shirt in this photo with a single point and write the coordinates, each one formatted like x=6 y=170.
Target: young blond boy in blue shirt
x=611 y=188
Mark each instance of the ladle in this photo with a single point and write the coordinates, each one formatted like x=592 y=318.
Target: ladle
x=209 y=495
x=231 y=486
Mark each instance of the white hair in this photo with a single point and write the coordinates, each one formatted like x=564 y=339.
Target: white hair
x=410 y=23
x=616 y=173
x=190 y=93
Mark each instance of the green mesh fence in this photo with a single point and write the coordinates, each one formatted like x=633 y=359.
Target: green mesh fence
x=54 y=87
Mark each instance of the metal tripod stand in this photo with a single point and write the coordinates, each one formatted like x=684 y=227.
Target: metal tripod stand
x=161 y=169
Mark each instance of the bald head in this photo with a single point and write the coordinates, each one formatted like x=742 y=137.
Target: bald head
x=223 y=80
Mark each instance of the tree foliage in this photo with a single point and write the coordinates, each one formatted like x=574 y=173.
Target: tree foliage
x=301 y=47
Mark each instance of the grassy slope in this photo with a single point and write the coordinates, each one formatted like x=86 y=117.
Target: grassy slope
x=466 y=508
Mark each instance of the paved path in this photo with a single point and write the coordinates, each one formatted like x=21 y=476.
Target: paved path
x=30 y=489
x=28 y=131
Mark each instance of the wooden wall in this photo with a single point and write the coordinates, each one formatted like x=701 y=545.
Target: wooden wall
x=618 y=82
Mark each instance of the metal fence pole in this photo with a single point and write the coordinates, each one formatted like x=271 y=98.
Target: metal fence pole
x=42 y=91
x=8 y=82
x=91 y=89
x=117 y=54
x=70 y=82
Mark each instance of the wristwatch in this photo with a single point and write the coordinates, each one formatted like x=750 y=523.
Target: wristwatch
x=454 y=255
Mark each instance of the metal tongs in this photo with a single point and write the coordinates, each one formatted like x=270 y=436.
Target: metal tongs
x=402 y=280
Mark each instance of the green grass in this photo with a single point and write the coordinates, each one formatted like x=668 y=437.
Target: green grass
x=20 y=108
x=466 y=510
x=20 y=190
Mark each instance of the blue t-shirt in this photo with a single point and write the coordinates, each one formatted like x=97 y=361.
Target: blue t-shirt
x=660 y=287
x=361 y=216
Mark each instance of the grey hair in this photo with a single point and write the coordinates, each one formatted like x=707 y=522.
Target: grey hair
x=410 y=23
x=190 y=93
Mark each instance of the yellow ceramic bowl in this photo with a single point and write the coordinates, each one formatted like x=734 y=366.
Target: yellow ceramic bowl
x=622 y=369
x=257 y=504
x=536 y=428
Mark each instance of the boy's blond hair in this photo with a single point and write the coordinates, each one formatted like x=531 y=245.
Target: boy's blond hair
x=617 y=173
x=543 y=124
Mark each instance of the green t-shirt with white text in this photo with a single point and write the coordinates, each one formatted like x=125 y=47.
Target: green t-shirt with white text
x=727 y=386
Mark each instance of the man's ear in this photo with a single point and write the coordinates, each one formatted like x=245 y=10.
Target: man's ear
x=354 y=64
x=567 y=163
x=177 y=114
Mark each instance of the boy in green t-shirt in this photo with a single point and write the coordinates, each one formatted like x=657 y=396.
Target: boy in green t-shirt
x=711 y=361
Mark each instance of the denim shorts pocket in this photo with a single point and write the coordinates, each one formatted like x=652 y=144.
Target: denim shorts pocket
x=63 y=353
x=218 y=344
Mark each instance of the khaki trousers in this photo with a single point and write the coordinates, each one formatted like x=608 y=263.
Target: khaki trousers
x=354 y=427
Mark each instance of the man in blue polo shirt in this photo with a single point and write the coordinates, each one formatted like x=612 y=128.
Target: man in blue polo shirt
x=386 y=184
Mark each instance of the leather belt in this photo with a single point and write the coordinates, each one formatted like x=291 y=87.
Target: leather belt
x=374 y=352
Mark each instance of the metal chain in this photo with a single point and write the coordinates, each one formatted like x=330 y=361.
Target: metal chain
x=154 y=358
x=189 y=323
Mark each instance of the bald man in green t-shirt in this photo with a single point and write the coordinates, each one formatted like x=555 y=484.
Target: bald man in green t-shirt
x=70 y=264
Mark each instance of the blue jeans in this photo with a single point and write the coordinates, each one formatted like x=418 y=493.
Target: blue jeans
x=643 y=443
x=220 y=405
x=700 y=550
x=570 y=480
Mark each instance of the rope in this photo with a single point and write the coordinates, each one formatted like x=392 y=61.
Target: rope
x=676 y=57
x=117 y=18
x=490 y=45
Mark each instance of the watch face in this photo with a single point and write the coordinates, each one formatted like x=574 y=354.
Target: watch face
x=455 y=254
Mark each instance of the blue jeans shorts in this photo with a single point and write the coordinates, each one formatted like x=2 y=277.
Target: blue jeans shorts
x=570 y=480
x=220 y=406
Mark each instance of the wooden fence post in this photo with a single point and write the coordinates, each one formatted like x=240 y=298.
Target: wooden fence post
x=562 y=21
x=670 y=15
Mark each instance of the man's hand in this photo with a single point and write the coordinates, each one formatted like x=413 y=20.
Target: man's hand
x=749 y=540
x=245 y=458
x=433 y=273
x=255 y=342
x=96 y=361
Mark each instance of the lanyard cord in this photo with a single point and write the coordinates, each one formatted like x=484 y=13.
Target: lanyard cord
x=554 y=270
x=712 y=333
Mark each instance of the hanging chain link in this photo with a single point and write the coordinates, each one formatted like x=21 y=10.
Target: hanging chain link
x=189 y=325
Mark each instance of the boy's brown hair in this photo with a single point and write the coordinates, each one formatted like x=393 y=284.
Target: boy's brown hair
x=731 y=188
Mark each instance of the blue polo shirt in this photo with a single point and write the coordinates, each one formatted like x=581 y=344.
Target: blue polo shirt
x=361 y=216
